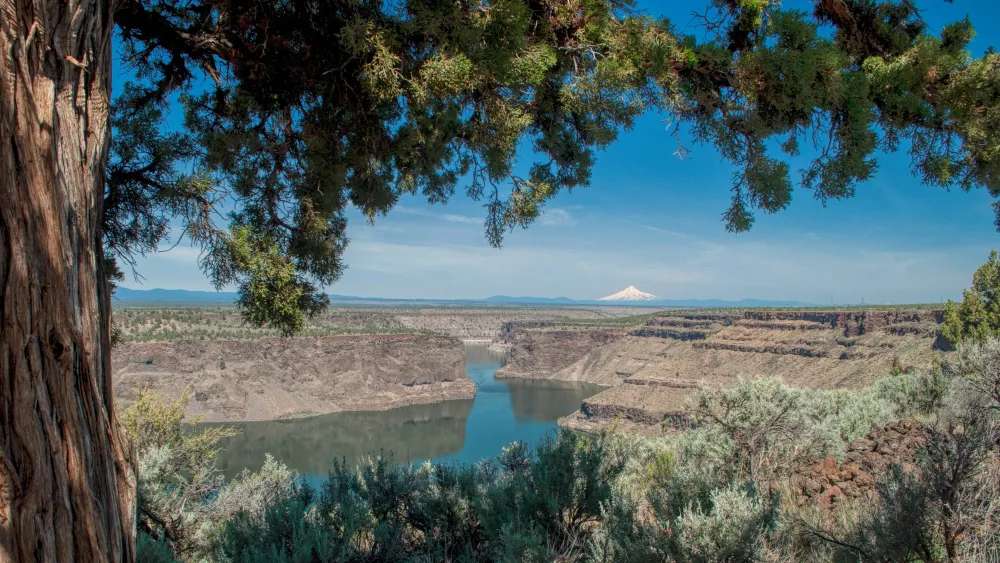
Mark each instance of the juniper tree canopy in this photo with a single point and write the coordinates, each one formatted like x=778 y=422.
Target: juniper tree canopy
x=296 y=109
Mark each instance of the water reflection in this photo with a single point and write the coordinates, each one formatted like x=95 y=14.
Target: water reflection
x=503 y=411
x=309 y=445
x=477 y=354
x=545 y=400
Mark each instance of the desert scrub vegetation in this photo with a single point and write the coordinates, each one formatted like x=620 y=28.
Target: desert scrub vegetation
x=224 y=323
x=718 y=491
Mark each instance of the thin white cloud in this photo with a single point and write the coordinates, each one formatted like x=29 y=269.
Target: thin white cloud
x=462 y=219
x=557 y=217
x=181 y=253
x=660 y=230
x=450 y=217
x=665 y=231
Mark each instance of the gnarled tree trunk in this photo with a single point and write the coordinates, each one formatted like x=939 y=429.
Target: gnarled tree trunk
x=67 y=484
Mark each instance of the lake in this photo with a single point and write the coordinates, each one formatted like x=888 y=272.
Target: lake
x=503 y=411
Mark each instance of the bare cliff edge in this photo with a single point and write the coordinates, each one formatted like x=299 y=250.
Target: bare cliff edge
x=653 y=369
x=276 y=378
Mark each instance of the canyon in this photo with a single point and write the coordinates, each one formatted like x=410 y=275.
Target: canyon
x=348 y=359
x=369 y=359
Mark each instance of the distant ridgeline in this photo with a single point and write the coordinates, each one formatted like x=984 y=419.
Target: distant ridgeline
x=126 y=296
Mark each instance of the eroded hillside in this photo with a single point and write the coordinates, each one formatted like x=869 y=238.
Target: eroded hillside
x=653 y=368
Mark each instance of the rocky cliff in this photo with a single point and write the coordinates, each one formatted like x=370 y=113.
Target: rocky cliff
x=652 y=369
x=276 y=378
x=546 y=353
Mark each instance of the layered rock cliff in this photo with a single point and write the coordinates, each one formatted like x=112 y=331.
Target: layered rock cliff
x=545 y=353
x=653 y=369
x=275 y=378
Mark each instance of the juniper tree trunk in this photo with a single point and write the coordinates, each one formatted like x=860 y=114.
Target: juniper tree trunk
x=67 y=484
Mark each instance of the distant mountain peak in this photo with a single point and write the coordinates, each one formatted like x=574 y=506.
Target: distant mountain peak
x=630 y=293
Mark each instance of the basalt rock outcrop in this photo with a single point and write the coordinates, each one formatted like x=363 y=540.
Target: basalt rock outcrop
x=653 y=369
x=828 y=483
x=276 y=378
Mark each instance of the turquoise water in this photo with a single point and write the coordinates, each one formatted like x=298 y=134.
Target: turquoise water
x=467 y=431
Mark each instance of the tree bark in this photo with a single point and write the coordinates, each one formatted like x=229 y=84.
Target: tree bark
x=67 y=479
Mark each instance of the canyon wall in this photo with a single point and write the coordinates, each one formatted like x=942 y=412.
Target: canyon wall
x=653 y=369
x=277 y=378
x=543 y=353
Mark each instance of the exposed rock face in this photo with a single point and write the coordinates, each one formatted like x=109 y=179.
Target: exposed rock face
x=858 y=323
x=828 y=483
x=557 y=354
x=274 y=378
x=654 y=368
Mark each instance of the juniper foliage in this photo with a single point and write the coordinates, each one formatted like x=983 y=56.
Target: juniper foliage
x=977 y=317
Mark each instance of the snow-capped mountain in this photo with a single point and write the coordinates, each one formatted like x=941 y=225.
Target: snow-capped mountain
x=630 y=293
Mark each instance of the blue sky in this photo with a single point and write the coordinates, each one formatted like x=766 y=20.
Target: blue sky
x=650 y=220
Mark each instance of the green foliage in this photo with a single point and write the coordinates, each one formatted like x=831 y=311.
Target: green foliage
x=524 y=506
x=286 y=527
x=148 y=550
x=271 y=292
x=311 y=107
x=979 y=366
x=733 y=525
x=977 y=317
x=759 y=428
x=176 y=474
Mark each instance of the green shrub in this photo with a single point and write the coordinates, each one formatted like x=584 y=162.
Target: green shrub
x=979 y=365
x=149 y=550
x=946 y=507
x=286 y=531
x=176 y=473
x=525 y=505
x=733 y=525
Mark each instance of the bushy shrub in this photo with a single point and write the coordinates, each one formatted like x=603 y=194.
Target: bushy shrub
x=734 y=525
x=252 y=492
x=759 y=427
x=527 y=505
x=979 y=364
x=286 y=531
x=762 y=424
x=177 y=474
x=149 y=550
